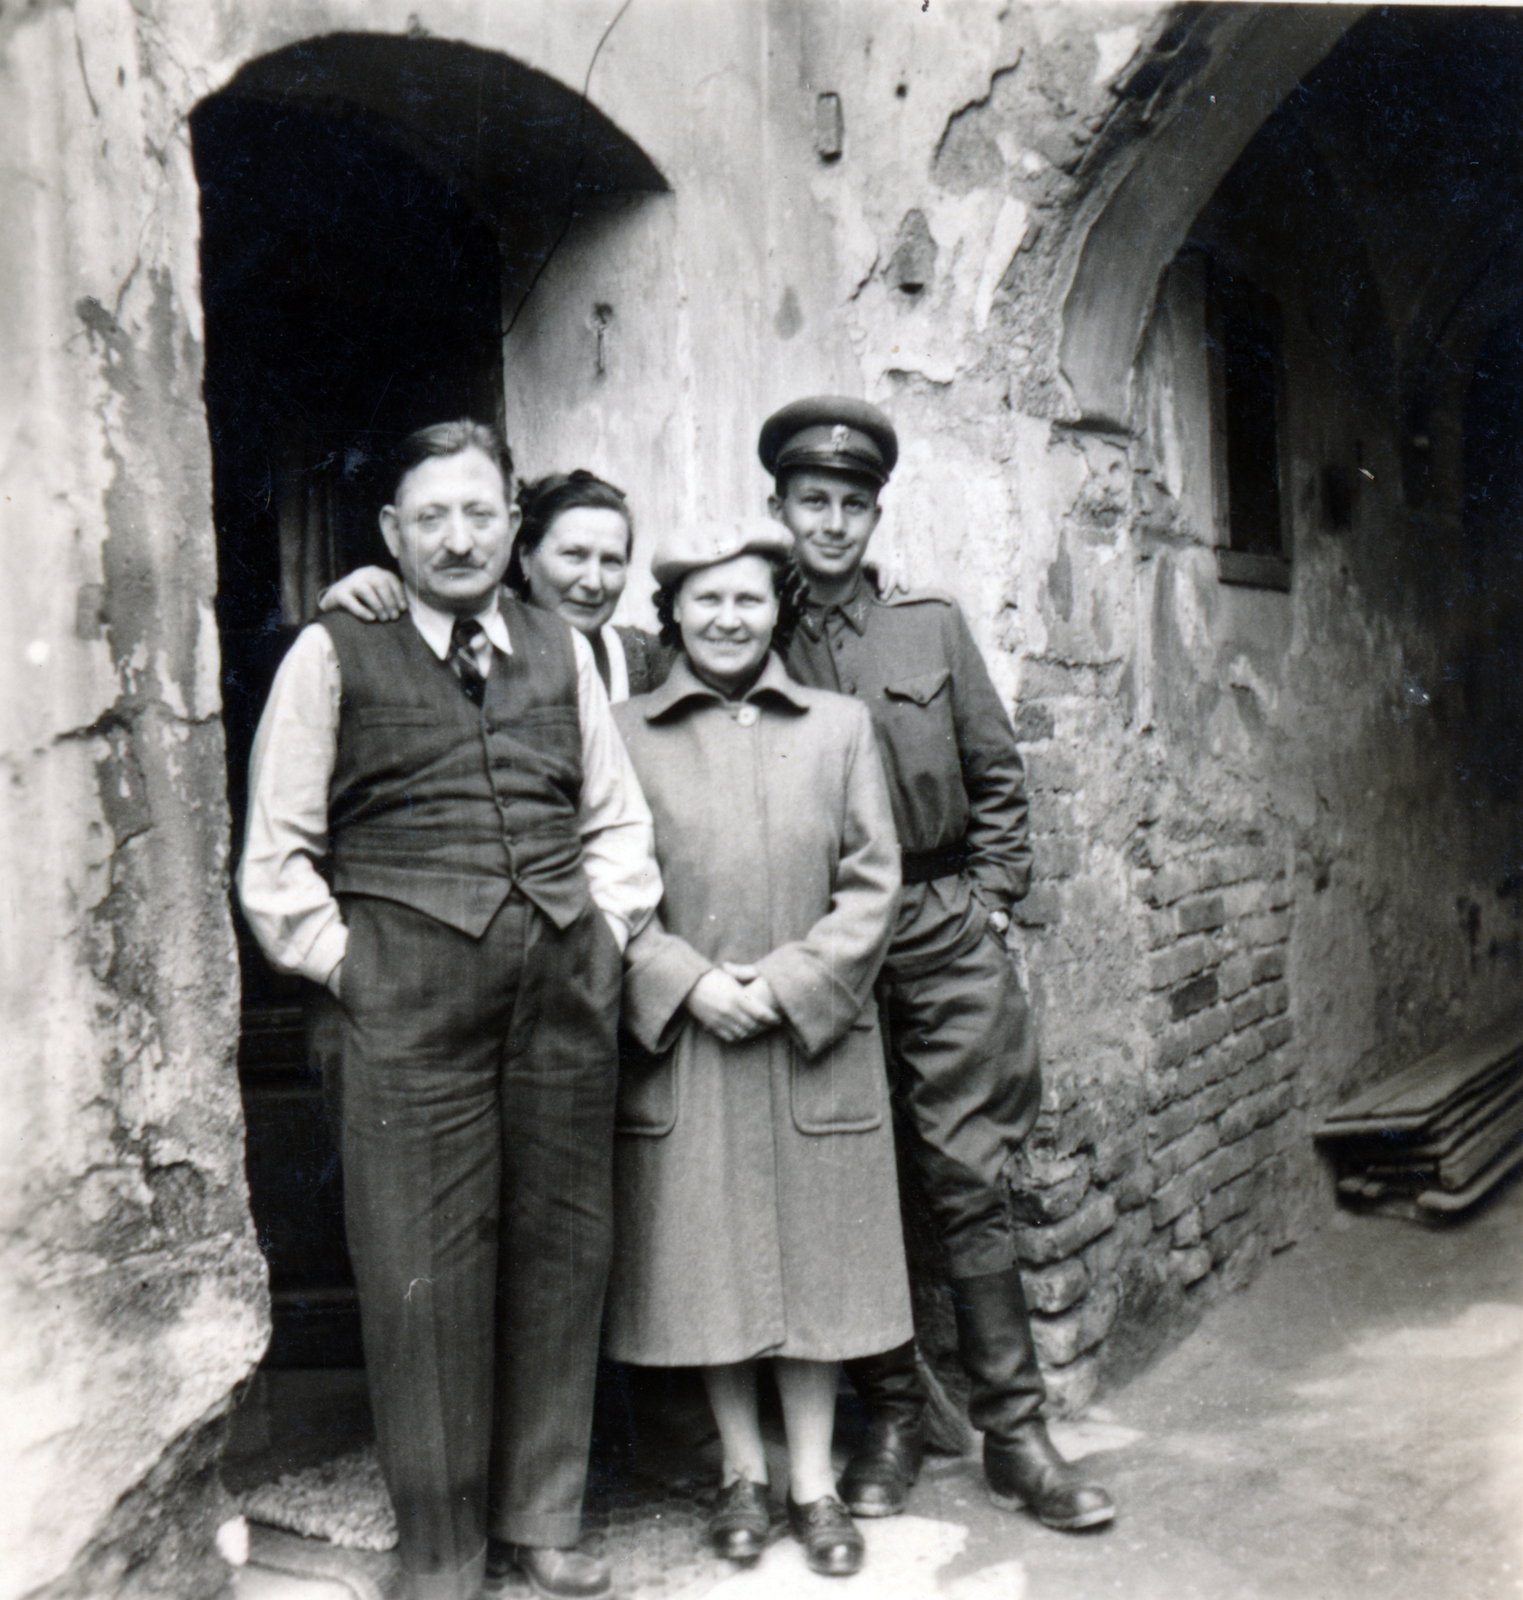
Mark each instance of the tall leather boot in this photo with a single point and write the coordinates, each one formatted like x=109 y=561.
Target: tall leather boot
x=877 y=1479
x=1021 y=1465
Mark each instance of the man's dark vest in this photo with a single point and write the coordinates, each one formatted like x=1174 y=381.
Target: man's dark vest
x=446 y=807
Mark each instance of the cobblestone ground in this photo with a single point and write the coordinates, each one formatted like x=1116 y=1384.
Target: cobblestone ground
x=1349 y=1428
x=652 y=1535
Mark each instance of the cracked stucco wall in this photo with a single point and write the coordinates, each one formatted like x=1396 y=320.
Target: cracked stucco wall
x=131 y=1289
x=1255 y=847
x=1177 y=733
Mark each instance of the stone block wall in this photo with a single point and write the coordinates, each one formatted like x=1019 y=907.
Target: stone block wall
x=1156 y=940
x=1141 y=1182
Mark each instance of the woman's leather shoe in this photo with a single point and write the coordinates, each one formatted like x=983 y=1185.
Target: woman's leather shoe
x=740 y=1520
x=563 y=1574
x=832 y=1544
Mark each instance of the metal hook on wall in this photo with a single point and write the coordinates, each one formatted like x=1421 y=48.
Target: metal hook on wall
x=598 y=322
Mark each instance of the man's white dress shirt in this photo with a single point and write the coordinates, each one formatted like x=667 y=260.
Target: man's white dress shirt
x=288 y=904
x=618 y=664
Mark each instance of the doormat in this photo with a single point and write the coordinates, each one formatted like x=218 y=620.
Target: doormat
x=335 y=1521
x=342 y=1501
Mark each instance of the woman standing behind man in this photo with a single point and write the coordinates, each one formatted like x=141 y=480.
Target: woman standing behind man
x=755 y=1190
x=571 y=557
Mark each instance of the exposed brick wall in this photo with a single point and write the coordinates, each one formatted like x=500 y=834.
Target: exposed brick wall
x=1219 y=1075
x=1156 y=941
x=1132 y=1194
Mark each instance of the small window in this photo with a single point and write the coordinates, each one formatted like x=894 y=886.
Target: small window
x=1245 y=332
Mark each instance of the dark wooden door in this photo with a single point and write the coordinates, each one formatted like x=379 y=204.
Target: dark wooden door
x=351 y=294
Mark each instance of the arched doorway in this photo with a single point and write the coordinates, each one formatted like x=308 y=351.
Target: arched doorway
x=374 y=212
x=1378 y=211
x=1196 y=101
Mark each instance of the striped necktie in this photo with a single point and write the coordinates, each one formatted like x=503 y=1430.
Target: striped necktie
x=464 y=641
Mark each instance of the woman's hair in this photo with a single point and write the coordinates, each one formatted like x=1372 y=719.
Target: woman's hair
x=545 y=499
x=787 y=584
x=450 y=439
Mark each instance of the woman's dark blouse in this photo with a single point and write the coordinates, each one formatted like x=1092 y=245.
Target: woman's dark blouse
x=649 y=661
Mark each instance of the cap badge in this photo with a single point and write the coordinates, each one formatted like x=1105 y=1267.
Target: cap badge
x=840 y=437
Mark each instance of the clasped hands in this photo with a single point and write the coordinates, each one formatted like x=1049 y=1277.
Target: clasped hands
x=734 y=1002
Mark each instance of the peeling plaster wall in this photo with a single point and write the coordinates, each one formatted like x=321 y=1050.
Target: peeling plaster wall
x=1254 y=852
x=1260 y=880
x=131 y=1288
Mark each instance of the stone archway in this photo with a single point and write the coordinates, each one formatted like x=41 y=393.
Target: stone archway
x=518 y=146
x=375 y=210
x=1379 y=206
x=1203 y=93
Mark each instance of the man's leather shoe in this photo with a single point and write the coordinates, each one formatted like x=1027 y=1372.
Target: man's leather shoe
x=833 y=1546
x=1024 y=1468
x=563 y=1574
x=878 y=1478
x=740 y=1520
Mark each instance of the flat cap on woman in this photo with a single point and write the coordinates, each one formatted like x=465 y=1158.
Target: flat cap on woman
x=682 y=550
x=832 y=432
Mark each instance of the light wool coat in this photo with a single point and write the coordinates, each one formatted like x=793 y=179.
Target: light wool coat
x=756 y=1206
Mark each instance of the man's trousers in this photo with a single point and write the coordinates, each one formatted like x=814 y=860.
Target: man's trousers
x=967 y=1087
x=476 y=1098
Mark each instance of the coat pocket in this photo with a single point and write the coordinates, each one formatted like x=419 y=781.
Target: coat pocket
x=843 y=1089
x=647 y=1102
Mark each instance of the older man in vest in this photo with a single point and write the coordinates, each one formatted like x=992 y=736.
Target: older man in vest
x=457 y=775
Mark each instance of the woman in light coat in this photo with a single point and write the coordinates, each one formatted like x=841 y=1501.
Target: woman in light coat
x=756 y=1201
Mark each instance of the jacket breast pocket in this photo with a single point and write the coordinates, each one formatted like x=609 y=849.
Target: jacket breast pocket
x=843 y=1089
x=647 y=1100
x=920 y=688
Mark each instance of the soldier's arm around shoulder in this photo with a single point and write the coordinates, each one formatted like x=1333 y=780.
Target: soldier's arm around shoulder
x=994 y=775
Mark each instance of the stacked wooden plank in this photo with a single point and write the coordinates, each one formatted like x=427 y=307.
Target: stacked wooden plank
x=1439 y=1135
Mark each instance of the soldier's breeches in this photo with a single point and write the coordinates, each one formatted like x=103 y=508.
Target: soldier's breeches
x=967 y=1082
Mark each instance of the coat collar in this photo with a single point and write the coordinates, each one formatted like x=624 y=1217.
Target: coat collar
x=685 y=688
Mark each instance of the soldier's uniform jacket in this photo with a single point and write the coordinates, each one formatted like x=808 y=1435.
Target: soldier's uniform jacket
x=955 y=777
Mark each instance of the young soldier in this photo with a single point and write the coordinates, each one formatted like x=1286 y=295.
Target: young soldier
x=961 y=1052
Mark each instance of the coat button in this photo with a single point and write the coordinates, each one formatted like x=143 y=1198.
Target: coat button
x=746 y=716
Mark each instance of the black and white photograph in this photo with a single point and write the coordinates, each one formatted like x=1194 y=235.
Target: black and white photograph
x=763 y=800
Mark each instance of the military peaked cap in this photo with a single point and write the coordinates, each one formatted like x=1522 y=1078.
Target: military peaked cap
x=833 y=432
